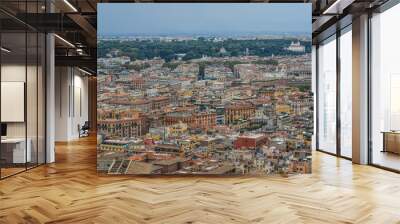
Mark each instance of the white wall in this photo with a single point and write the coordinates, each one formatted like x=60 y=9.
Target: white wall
x=81 y=113
x=17 y=73
x=61 y=103
x=33 y=126
x=71 y=102
x=12 y=73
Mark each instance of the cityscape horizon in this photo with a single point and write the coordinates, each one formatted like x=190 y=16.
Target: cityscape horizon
x=204 y=105
x=213 y=34
x=203 y=18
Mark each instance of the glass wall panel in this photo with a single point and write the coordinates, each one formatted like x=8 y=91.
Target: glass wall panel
x=314 y=90
x=31 y=97
x=13 y=92
x=22 y=88
x=385 y=89
x=32 y=85
x=41 y=98
x=346 y=93
x=327 y=95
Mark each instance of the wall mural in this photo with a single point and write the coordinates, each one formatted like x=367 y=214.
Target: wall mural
x=204 y=89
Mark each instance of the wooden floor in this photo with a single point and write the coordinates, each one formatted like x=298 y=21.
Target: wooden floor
x=5 y=172
x=70 y=191
x=386 y=159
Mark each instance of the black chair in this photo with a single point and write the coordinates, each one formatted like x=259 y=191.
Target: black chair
x=84 y=130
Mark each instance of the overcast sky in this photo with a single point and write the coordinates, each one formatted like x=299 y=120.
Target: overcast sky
x=202 y=18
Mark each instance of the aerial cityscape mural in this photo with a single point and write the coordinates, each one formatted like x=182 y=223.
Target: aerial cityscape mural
x=192 y=89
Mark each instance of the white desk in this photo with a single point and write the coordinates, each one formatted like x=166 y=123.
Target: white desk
x=17 y=145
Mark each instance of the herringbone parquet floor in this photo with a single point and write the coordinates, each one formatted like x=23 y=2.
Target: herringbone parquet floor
x=70 y=191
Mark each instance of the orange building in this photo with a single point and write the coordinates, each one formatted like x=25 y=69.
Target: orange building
x=239 y=111
x=138 y=83
x=122 y=123
x=193 y=120
x=159 y=102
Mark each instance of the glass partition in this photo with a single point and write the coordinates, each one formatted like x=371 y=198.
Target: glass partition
x=31 y=97
x=14 y=153
x=327 y=95
x=385 y=89
x=41 y=97
x=22 y=88
x=346 y=92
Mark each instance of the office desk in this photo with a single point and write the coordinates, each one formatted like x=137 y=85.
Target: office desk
x=391 y=141
x=13 y=150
